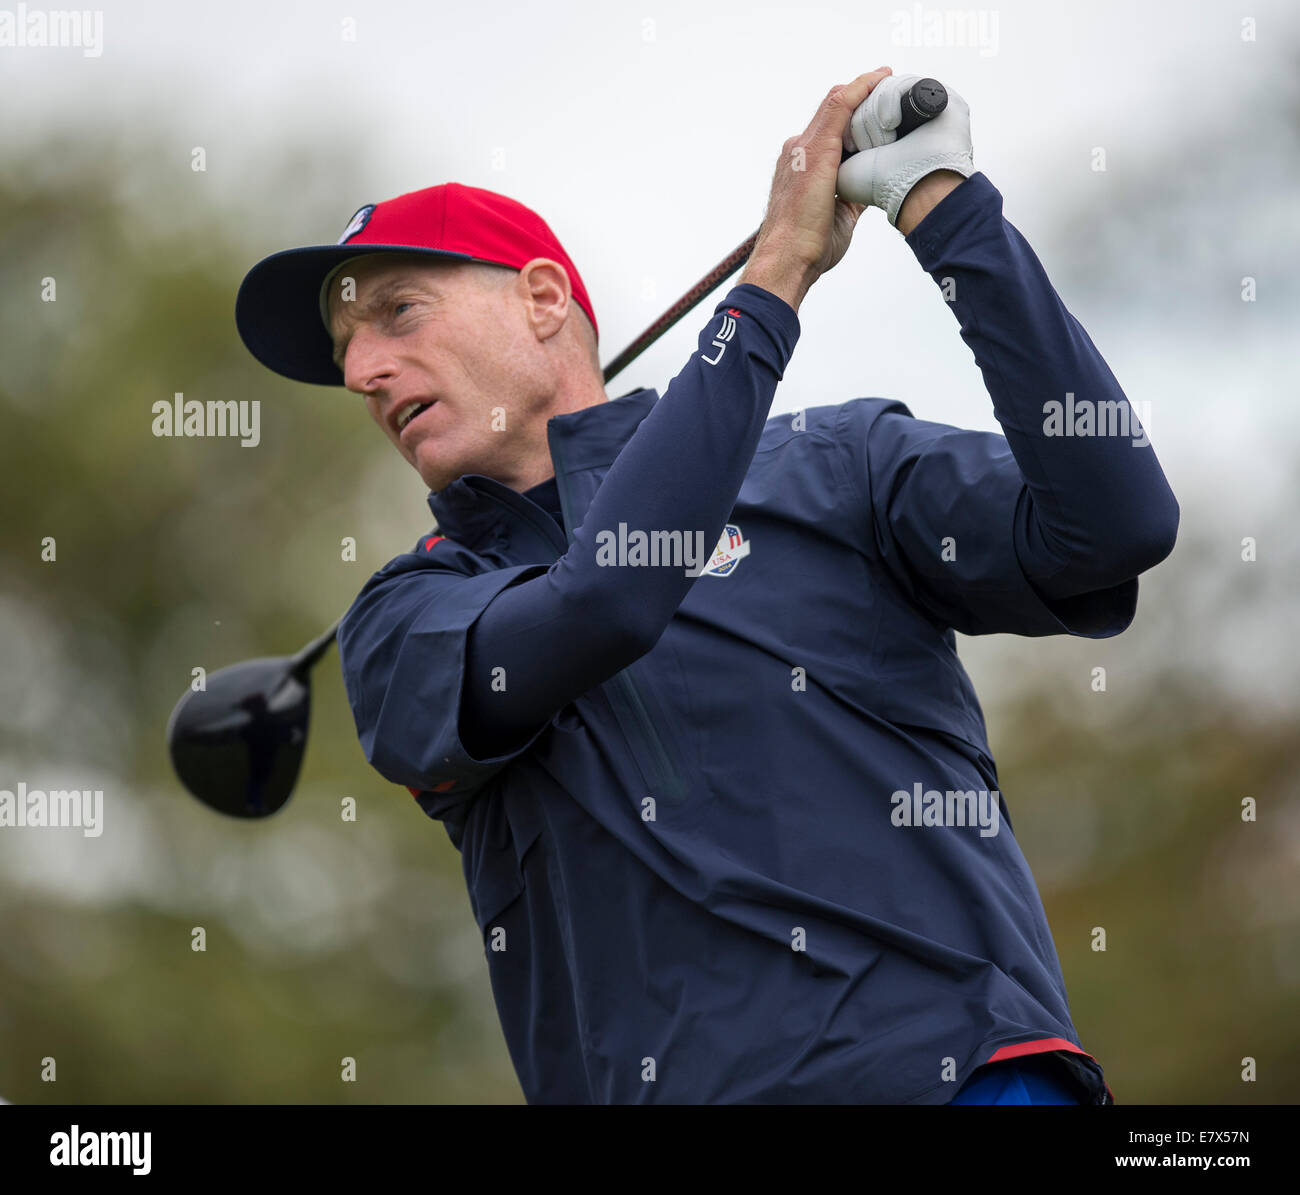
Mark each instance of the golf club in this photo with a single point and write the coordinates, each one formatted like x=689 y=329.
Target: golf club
x=237 y=744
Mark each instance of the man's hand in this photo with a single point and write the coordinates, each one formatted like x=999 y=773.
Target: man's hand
x=807 y=229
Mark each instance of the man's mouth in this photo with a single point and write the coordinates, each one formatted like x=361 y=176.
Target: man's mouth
x=410 y=412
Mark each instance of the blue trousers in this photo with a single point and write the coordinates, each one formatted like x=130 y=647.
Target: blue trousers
x=1027 y=1080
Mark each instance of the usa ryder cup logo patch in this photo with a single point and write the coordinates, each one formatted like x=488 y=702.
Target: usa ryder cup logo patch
x=358 y=222
x=732 y=548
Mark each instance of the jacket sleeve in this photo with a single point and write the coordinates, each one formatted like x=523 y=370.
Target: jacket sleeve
x=402 y=648
x=452 y=676
x=1033 y=531
x=948 y=515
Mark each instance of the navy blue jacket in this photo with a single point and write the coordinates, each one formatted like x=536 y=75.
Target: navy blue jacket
x=735 y=835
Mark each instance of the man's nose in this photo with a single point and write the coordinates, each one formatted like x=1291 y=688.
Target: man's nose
x=368 y=362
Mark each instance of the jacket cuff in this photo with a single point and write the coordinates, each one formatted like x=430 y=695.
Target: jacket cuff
x=966 y=206
x=773 y=314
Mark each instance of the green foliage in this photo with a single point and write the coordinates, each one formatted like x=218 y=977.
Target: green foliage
x=172 y=554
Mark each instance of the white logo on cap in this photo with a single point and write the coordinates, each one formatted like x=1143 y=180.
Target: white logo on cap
x=357 y=223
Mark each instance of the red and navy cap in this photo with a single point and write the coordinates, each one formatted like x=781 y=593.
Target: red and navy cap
x=278 y=310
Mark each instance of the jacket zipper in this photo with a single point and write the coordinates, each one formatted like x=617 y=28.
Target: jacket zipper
x=627 y=703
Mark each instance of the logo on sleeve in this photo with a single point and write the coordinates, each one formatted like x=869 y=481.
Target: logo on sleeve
x=732 y=548
x=723 y=338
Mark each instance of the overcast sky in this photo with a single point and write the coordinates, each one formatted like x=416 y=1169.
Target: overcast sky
x=646 y=135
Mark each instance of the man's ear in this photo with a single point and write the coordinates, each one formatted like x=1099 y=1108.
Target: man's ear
x=550 y=296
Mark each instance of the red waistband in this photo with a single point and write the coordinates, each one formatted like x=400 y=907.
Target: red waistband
x=1040 y=1045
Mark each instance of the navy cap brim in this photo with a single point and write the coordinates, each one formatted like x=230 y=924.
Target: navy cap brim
x=277 y=309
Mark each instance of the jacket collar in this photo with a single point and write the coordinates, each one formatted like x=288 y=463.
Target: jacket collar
x=474 y=507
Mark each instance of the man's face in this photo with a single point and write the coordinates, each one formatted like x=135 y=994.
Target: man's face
x=436 y=333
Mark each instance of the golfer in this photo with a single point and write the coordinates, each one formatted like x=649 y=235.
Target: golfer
x=680 y=679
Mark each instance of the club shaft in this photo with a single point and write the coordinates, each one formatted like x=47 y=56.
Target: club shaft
x=301 y=664
x=723 y=270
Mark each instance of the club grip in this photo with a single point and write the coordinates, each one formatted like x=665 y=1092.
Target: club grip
x=924 y=100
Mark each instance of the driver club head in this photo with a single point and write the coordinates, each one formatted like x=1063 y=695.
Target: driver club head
x=238 y=744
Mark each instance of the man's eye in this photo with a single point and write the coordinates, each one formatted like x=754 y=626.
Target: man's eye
x=397 y=307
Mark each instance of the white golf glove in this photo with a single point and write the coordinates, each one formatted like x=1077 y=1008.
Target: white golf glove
x=885 y=167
